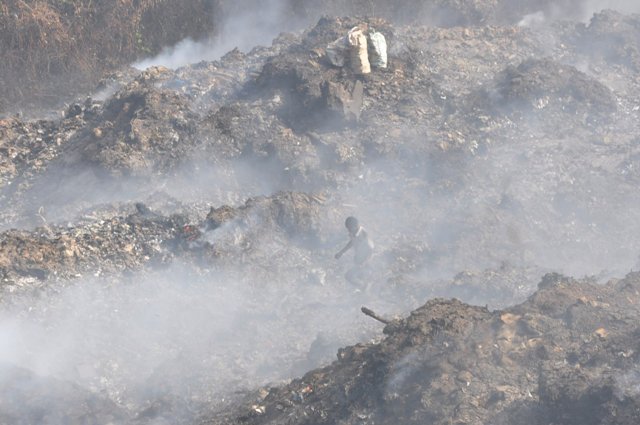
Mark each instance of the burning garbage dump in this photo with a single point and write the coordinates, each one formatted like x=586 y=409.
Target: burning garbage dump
x=365 y=222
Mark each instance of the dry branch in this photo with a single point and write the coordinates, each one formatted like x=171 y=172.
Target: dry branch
x=373 y=315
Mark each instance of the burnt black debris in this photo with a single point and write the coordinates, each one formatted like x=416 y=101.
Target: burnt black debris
x=557 y=357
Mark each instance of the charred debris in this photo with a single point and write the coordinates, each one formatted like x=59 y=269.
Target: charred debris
x=277 y=145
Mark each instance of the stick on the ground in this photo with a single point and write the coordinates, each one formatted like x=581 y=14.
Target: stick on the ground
x=372 y=314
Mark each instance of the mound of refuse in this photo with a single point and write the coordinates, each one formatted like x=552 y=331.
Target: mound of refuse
x=613 y=37
x=547 y=89
x=139 y=130
x=566 y=355
x=113 y=243
x=175 y=238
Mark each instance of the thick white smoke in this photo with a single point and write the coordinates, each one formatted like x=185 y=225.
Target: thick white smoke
x=580 y=10
x=182 y=335
x=249 y=25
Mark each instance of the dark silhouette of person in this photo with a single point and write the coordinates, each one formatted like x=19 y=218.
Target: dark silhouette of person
x=362 y=246
x=358 y=240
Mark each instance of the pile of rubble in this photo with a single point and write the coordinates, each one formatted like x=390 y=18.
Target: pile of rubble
x=478 y=159
x=145 y=238
x=547 y=90
x=566 y=355
x=27 y=147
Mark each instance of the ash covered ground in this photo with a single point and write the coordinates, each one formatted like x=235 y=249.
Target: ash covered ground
x=167 y=246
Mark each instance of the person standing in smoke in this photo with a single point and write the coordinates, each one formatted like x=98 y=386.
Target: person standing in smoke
x=362 y=247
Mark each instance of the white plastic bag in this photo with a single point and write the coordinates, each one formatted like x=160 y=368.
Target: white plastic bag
x=377 y=49
x=358 y=53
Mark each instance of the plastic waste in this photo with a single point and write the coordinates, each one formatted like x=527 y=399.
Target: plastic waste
x=337 y=51
x=377 y=49
x=358 y=56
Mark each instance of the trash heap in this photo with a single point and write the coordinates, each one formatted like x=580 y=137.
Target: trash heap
x=479 y=159
x=109 y=244
x=566 y=355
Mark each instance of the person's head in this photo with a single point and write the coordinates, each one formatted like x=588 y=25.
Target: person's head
x=352 y=225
